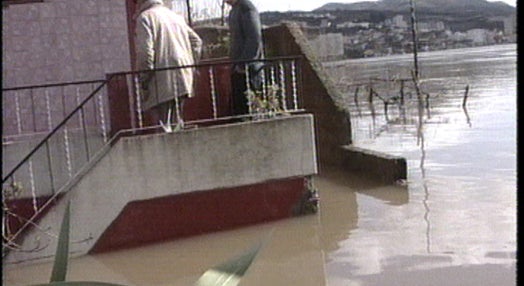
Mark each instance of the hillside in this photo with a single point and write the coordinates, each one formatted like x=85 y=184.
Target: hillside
x=458 y=15
x=468 y=8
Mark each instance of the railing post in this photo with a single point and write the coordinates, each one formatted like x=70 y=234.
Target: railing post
x=248 y=88
x=33 y=185
x=138 y=99
x=48 y=107
x=213 y=91
x=294 y=84
x=282 y=85
x=18 y=117
x=102 y=117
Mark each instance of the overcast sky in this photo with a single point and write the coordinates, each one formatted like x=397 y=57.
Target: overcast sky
x=308 y=5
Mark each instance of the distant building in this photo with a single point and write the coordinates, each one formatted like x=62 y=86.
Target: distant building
x=477 y=36
x=431 y=26
x=510 y=28
x=364 y=25
x=329 y=46
x=324 y=23
x=397 y=22
x=456 y=36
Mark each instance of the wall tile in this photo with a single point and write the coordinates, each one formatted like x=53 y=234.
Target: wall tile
x=64 y=73
x=22 y=13
x=48 y=26
x=17 y=28
x=63 y=40
x=104 y=7
x=84 y=24
x=105 y=21
x=35 y=60
x=8 y=75
x=21 y=59
x=18 y=43
x=47 y=11
x=63 y=25
x=91 y=7
x=33 y=28
x=6 y=24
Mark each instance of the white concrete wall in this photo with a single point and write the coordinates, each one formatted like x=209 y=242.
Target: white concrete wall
x=142 y=167
x=63 y=40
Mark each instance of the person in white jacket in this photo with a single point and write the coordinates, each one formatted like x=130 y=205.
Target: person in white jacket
x=163 y=39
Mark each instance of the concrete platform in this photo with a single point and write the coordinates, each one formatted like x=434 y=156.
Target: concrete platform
x=376 y=165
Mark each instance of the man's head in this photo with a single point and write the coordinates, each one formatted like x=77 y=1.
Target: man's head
x=231 y=2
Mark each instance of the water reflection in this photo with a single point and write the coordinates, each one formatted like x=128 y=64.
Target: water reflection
x=469 y=275
x=293 y=247
x=339 y=207
x=455 y=171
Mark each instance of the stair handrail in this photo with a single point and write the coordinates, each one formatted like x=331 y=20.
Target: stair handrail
x=62 y=123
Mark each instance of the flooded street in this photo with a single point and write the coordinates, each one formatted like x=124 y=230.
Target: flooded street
x=452 y=223
x=459 y=214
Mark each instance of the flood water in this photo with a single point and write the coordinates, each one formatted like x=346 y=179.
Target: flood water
x=453 y=222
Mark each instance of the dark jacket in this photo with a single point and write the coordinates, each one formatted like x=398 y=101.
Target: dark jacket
x=246 y=33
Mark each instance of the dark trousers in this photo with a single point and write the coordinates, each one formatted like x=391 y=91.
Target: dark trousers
x=238 y=88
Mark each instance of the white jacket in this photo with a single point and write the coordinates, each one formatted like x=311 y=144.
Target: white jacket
x=163 y=39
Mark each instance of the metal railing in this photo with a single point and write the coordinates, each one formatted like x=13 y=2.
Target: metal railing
x=279 y=93
x=32 y=111
x=113 y=108
x=56 y=159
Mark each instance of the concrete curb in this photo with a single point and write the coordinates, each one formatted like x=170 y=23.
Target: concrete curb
x=380 y=166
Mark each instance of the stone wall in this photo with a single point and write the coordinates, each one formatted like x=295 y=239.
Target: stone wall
x=319 y=95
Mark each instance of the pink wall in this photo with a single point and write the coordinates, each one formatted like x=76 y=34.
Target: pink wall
x=58 y=41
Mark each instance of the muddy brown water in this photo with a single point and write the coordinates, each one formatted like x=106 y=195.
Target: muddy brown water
x=453 y=222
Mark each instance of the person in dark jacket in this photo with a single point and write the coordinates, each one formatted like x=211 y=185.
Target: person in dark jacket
x=245 y=44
